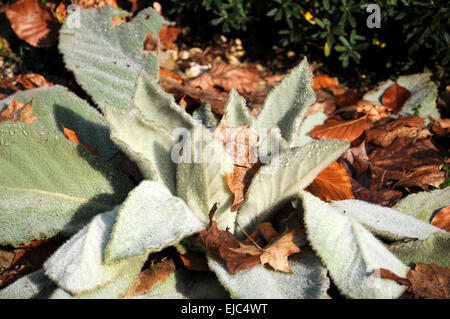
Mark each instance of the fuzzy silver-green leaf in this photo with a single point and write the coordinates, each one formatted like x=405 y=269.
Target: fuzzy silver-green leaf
x=286 y=104
x=149 y=220
x=50 y=185
x=277 y=182
x=384 y=221
x=107 y=58
x=351 y=253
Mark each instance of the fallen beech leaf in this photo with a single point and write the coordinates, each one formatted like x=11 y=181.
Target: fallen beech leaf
x=324 y=81
x=148 y=278
x=429 y=281
x=168 y=35
x=387 y=130
x=219 y=242
x=227 y=76
x=333 y=183
x=442 y=219
x=395 y=96
x=373 y=112
x=216 y=99
x=441 y=126
x=193 y=261
x=238 y=182
x=170 y=74
x=407 y=160
x=28 y=258
x=18 y=112
x=33 y=22
x=72 y=136
x=350 y=97
x=387 y=274
x=240 y=143
x=276 y=254
x=343 y=130
x=22 y=82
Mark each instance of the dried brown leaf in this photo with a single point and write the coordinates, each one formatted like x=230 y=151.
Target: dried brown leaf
x=18 y=112
x=429 y=281
x=238 y=182
x=332 y=183
x=148 y=278
x=227 y=76
x=384 y=132
x=442 y=219
x=343 y=130
x=240 y=143
x=73 y=137
x=324 y=81
x=395 y=96
x=33 y=22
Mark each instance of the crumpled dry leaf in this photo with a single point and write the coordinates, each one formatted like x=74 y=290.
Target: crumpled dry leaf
x=395 y=96
x=73 y=137
x=442 y=219
x=218 y=242
x=227 y=76
x=333 y=183
x=385 y=131
x=429 y=281
x=276 y=254
x=373 y=112
x=26 y=258
x=168 y=35
x=410 y=162
x=150 y=277
x=216 y=99
x=18 y=112
x=343 y=130
x=240 y=143
x=33 y=22
x=350 y=97
x=22 y=82
x=238 y=182
x=241 y=255
x=324 y=81
x=441 y=126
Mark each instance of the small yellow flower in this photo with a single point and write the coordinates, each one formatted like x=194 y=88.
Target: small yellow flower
x=326 y=49
x=380 y=44
x=308 y=16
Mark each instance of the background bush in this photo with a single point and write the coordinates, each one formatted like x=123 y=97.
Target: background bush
x=412 y=37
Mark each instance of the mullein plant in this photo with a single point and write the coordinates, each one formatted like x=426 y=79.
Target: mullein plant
x=65 y=190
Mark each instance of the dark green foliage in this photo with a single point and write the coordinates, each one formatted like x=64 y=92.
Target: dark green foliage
x=412 y=31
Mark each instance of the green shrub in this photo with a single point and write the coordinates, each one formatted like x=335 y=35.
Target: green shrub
x=411 y=31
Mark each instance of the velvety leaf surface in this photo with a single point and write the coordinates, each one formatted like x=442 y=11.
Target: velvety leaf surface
x=281 y=179
x=432 y=250
x=149 y=220
x=422 y=205
x=384 y=221
x=308 y=279
x=49 y=184
x=287 y=103
x=236 y=111
x=107 y=58
x=350 y=252
x=78 y=266
x=56 y=104
x=201 y=178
